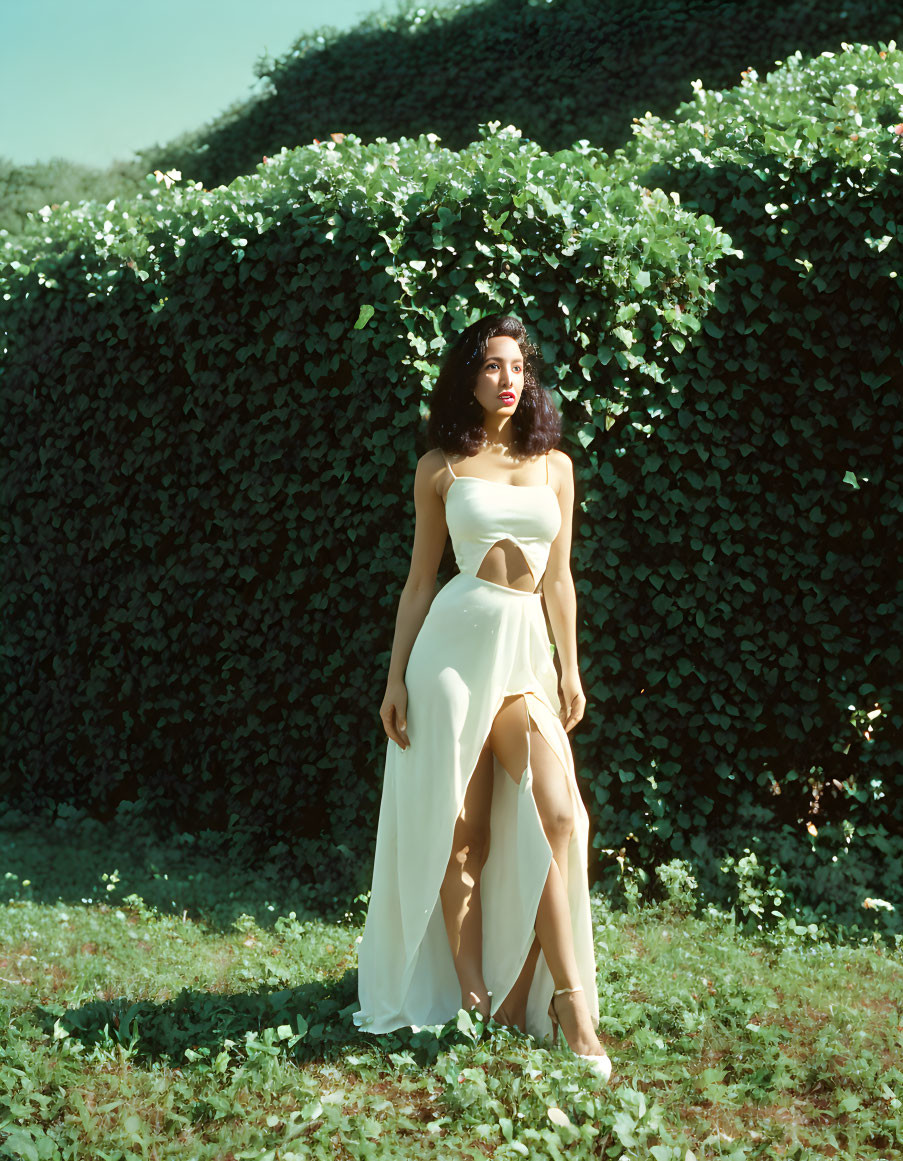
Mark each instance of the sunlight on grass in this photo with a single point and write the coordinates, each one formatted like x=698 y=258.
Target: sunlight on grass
x=163 y=1003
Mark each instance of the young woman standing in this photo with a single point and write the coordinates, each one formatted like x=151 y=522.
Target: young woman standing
x=480 y=895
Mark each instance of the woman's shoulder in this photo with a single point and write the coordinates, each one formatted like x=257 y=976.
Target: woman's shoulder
x=431 y=461
x=561 y=459
x=561 y=470
x=431 y=468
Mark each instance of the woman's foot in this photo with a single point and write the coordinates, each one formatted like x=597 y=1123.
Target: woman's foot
x=572 y=1014
x=512 y=1012
x=511 y=1017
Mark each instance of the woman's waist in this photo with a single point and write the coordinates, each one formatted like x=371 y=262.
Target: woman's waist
x=468 y=580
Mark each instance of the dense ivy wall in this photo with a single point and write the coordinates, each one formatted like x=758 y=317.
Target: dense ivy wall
x=215 y=402
x=759 y=525
x=561 y=70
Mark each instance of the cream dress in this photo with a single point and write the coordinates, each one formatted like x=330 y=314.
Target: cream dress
x=479 y=643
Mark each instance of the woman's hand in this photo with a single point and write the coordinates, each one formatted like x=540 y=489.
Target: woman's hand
x=393 y=713
x=573 y=703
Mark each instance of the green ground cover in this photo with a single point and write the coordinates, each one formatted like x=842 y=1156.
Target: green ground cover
x=159 y=1001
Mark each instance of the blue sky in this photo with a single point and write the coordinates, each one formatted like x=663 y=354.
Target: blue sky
x=91 y=80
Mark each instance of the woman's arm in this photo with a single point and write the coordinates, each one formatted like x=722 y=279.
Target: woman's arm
x=430 y=532
x=561 y=597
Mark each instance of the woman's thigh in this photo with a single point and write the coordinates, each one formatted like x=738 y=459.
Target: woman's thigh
x=472 y=826
x=508 y=738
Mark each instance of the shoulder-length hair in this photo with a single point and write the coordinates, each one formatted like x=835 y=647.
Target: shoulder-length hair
x=456 y=418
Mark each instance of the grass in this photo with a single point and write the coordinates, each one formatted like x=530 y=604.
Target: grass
x=161 y=1002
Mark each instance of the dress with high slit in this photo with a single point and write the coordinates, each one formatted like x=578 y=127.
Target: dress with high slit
x=479 y=643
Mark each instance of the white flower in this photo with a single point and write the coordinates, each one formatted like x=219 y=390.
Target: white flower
x=558 y=1116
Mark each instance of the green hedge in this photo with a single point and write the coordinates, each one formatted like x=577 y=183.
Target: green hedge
x=787 y=432
x=214 y=405
x=25 y=188
x=212 y=448
x=772 y=485
x=561 y=70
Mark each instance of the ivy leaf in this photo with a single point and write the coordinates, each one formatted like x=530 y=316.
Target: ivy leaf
x=364 y=317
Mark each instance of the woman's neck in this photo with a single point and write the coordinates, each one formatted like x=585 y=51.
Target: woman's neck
x=498 y=436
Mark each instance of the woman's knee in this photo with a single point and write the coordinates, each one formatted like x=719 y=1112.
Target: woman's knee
x=470 y=842
x=551 y=791
x=558 y=819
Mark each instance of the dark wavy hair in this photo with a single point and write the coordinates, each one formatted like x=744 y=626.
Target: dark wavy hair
x=456 y=418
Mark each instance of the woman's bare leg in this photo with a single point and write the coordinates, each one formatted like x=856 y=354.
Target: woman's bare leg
x=460 y=890
x=553 y=917
x=557 y=813
x=513 y=1009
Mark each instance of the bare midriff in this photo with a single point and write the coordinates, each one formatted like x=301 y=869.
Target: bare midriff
x=504 y=564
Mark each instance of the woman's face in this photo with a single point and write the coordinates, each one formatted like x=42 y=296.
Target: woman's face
x=500 y=380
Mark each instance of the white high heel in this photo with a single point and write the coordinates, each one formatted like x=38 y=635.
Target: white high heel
x=601 y=1064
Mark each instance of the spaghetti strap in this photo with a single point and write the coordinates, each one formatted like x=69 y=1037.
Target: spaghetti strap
x=448 y=465
x=547 y=467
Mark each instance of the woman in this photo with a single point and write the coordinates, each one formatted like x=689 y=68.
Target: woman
x=477 y=732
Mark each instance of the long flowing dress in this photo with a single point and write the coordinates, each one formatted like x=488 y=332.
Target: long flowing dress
x=479 y=643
